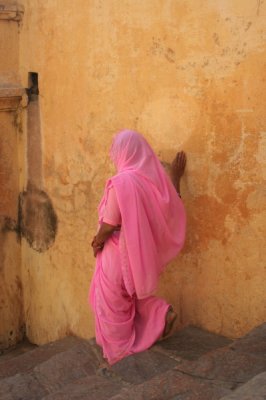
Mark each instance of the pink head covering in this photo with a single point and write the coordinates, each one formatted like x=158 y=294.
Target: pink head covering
x=131 y=152
x=153 y=216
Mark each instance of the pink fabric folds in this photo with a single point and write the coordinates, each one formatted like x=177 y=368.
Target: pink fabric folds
x=153 y=216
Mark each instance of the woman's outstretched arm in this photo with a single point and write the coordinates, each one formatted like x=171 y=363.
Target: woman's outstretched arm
x=177 y=169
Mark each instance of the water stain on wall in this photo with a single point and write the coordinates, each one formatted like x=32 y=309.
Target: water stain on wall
x=37 y=218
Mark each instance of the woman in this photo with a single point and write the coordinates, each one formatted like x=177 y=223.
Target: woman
x=142 y=228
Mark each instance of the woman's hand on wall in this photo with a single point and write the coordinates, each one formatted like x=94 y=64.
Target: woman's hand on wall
x=178 y=168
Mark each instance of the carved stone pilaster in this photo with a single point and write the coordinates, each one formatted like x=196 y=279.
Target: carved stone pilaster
x=10 y=98
x=10 y=12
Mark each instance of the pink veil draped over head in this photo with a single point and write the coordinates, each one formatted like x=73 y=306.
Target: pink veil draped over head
x=152 y=213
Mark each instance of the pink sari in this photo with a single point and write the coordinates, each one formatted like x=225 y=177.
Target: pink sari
x=128 y=317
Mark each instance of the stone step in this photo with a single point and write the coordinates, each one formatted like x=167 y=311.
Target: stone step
x=191 y=343
x=71 y=365
x=209 y=366
x=172 y=385
x=239 y=362
x=255 y=389
x=47 y=369
x=26 y=362
x=188 y=344
x=140 y=367
x=192 y=364
x=252 y=343
x=225 y=365
x=88 y=388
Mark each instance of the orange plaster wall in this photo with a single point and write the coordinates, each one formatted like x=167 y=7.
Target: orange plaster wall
x=11 y=297
x=187 y=75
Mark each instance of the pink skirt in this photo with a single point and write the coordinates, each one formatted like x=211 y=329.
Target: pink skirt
x=124 y=324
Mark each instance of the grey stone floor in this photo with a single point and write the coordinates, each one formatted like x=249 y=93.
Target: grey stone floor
x=191 y=365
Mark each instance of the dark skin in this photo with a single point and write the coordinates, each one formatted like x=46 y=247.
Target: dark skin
x=106 y=230
x=177 y=169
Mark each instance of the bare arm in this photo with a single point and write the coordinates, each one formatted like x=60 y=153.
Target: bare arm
x=177 y=169
x=103 y=234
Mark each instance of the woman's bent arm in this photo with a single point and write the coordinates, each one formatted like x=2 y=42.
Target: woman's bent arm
x=103 y=234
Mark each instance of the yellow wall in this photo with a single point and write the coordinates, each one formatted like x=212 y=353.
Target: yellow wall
x=187 y=74
x=11 y=297
x=11 y=300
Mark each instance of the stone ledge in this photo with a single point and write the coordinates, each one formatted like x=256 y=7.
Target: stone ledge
x=10 y=98
x=254 y=389
x=11 y=12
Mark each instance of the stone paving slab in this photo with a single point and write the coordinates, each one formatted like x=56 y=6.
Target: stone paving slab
x=142 y=366
x=173 y=385
x=192 y=342
x=22 y=387
x=89 y=388
x=255 y=389
x=26 y=362
x=192 y=365
x=79 y=355
x=61 y=369
x=66 y=367
x=225 y=365
x=253 y=343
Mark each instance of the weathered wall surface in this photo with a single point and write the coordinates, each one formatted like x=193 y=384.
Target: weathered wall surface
x=187 y=74
x=11 y=300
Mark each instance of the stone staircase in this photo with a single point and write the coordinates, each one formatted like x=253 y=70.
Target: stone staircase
x=191 y=365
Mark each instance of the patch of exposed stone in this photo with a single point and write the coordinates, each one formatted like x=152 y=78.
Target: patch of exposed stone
x=37 y=218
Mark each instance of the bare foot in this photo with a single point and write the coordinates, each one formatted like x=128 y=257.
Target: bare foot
x=104 y=369
x=170 y=324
